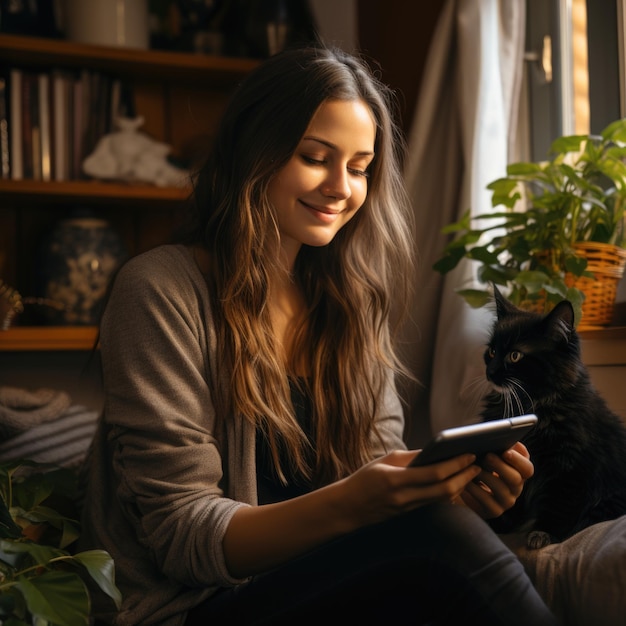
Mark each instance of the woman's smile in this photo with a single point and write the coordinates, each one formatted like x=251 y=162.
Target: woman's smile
x=324 y=214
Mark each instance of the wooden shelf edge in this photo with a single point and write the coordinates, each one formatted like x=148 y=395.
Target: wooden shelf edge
x=24 y=50
x=32 y=338
x=90 y=191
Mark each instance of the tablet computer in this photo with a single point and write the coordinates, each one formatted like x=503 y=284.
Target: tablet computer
x=493 y=436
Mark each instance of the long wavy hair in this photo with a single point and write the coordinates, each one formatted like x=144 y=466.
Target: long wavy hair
x=349 y=285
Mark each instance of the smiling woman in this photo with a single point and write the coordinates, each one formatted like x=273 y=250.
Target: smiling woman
x=250 y=467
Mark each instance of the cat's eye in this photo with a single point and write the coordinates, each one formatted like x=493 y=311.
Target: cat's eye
x=491 y=352
x=515 y=356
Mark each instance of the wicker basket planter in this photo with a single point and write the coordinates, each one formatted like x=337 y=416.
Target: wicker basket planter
x=606 y=262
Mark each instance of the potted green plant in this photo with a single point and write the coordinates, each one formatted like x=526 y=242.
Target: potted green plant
x=41 y=581
x=537 y=247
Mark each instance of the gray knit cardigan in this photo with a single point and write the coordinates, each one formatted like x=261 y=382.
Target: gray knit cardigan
x=163 y=480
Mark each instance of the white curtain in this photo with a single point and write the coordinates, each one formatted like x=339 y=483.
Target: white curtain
x=460 y=140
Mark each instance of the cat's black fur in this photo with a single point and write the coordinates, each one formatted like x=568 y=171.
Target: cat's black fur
x=578 y=447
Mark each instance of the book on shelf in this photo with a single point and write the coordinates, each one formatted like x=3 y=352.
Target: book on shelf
x=62 y=120
x=16 y=157
x=55 y=119
x=28 y=106
x=45 y=136
x=35 y=120
x=5 y=170
x=77 y=128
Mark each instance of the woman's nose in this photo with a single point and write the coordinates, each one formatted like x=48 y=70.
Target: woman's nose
x=337 y=184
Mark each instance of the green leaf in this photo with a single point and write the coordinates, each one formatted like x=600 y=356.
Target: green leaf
x=101 y=568
x=68 y=527
x=523 y=169
x=40 y=554
x=474 y=297
x=504 y=192
x=448 y=262
x=33 y=489
x=8 y=528
x=462 y=224
x=575 y=264
x=571 y=143
x=533 y=280
x=556 y=288
x=58 y=597
x=495 y=274
x=615 y=131
x=12 y=621
x=483 y=254
x=467 y=239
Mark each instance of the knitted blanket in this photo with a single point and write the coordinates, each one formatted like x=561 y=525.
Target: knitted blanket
x=23 y=409
x=42 y=425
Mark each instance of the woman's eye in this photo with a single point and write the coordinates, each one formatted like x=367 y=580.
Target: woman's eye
x=358 y=172
x=355 y=171
x=312 y=161
x=515 y=356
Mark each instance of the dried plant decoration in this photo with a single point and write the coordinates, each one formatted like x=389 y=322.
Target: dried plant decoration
x=12 y=303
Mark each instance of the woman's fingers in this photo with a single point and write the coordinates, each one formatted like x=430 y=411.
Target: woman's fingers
x=415 y=486
x=500 y=482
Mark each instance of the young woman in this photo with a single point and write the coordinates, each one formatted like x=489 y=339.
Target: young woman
x=249 y=467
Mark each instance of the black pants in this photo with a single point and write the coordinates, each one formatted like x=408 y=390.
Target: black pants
x=439 y=564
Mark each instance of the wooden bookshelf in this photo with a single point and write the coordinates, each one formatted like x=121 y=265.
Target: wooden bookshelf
x=179 y=95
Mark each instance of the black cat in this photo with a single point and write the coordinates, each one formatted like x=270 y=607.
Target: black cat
x=578 y=447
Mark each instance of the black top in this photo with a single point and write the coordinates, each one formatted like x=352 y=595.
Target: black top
x=269 y=486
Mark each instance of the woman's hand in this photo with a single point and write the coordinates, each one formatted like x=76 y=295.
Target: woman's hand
x=500 y=482
x=387 y=486
x=261 y=537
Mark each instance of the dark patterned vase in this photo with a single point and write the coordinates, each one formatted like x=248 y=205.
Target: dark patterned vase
x=76 y=264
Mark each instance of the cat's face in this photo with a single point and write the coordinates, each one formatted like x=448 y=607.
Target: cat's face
x=531 y=358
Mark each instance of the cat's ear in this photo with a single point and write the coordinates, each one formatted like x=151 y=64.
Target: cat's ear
x=560 y=320
x=503 y=306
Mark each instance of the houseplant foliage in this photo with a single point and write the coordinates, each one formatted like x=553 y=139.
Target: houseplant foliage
x=41 y=581
x=528 y=245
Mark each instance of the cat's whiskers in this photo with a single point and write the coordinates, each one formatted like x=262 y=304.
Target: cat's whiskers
x=521 y=387
x=514 y=404
x=507 y=394
x=476 y=390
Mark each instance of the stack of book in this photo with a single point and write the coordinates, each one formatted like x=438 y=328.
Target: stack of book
x=51 y=121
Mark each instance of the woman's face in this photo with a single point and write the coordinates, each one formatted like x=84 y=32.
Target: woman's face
x=324 y=183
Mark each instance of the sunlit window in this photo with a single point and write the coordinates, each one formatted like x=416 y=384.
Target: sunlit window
x=580 y=68
x=575 y=79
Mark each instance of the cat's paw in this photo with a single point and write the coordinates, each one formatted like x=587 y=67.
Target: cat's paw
x=537 y=539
